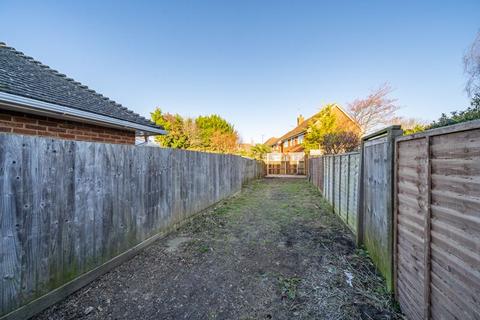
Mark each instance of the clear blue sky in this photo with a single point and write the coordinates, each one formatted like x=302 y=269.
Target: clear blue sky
x=256 y=63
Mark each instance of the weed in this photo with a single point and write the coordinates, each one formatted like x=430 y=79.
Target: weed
x=288 y=286
x=221 y=210
x=362 y=252
x=203 y=249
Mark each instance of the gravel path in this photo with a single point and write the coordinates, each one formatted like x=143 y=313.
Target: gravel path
x=273 y=252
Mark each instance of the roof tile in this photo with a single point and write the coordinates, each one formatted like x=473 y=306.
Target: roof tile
x=23 y=76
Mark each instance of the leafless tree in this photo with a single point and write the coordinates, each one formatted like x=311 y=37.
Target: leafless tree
x=471 y=61
x=376 y=109
x=408 y=123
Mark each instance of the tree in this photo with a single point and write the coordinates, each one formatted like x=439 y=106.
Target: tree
x=471 y=62
x=471 y=113
x=192 y=133
x=323 y=123
x=208 y=125
x=206 y=133
x=224 y=142
x=340 y=142
x=259 y=150
x=374 y=110
x=176 y=137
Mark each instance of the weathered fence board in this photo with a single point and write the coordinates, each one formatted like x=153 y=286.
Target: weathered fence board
x=68 y=207
x=438 y=223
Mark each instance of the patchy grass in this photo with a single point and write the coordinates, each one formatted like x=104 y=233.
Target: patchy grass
x=275 y=251
x=204 y=249
x=288 y=286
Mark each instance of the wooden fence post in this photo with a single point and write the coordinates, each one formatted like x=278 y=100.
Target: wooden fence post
x=428 y=235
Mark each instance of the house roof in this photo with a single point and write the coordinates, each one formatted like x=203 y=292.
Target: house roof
x=271 y=141
x=23 y=76
x=302 y=127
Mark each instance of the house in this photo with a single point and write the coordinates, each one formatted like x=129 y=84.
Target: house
x=288 y=153
x=37 y=100
x=292 y=141
x=271 y=142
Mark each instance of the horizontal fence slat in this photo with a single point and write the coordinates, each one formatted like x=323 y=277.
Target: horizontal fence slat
x=454 y=194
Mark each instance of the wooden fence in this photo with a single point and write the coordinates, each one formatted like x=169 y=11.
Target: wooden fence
x=419 y=211
x=359 y=186
x=71 y=211
x=337 y=178
x=437 y=239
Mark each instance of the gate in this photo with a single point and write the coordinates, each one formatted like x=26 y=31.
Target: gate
x=286 y=164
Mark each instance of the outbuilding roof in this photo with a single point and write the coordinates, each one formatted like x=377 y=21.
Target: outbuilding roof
x=21 y=75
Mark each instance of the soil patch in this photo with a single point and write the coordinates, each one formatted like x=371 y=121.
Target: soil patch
x=275 y=251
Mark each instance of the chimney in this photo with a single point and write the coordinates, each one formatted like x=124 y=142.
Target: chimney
x=300 y=119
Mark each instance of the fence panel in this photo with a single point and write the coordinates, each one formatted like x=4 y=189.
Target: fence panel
x=411 y=204
x=339 y=183
x=343 y=182
x=437 y=238
x=316 y=172
x=375 y=224
x=68 y=207
x=336 y=184
x=376 y=214
x=353 y=168
x=328 y=179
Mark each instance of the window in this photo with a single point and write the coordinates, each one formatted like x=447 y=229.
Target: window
x=300 y=139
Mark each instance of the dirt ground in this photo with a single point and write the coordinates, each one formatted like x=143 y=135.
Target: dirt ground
x=275 y=251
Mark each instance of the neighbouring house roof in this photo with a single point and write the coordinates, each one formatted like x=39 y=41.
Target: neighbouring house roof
x=302 y=127
x=27 y=82
x=271 y=141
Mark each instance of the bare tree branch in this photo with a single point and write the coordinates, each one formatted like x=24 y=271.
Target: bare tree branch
x=376 y=109
x=471 y=62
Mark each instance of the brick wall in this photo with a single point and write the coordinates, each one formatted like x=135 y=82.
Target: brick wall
x=21 y=123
